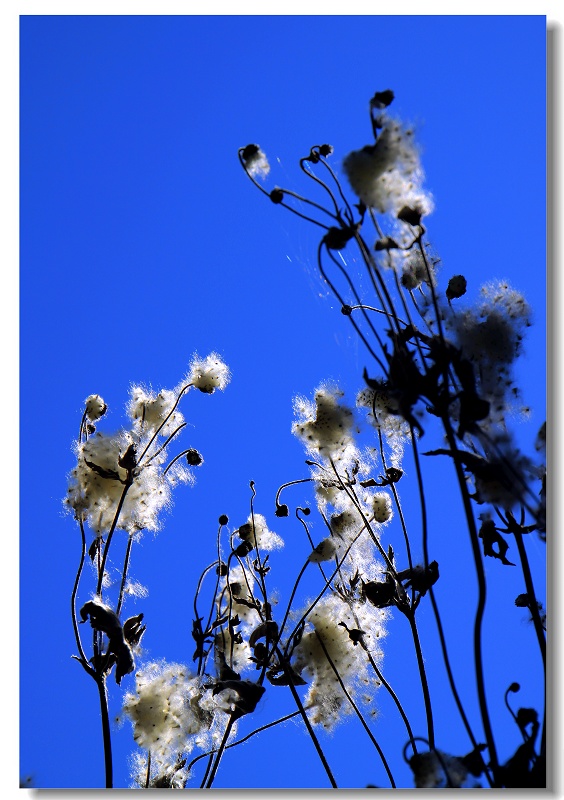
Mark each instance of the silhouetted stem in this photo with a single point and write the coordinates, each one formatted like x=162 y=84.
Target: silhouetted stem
x=307 y=723
x=392 y=695
x=244 y=739
x=357 y=711
x=220 y=752
x=83 y=660
x=101 y=683
x=124 y=573
x=423 y=676
x=481 y=578
x=533 y=608
x=102 y=567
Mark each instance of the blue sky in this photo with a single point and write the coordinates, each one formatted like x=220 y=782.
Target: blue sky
x=142 y=242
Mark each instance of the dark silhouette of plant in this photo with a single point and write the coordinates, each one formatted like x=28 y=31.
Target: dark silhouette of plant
x=435 y=366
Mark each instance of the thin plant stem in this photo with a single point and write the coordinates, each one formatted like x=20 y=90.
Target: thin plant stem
x=124 y=573
x=481 y=605
x=103 y=695
x=102 y=567
x=148 y=776
x=244 y=739
x=83 y=660
x=342 y=302
x=357 y=712
x=391 y=692
x=533 y=608
x=307 y=723
x=411 y=616
x=219 y=753
x=423 y=676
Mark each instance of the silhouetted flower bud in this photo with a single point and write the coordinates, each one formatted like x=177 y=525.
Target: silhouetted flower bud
x=277 y=195
x=194 y=458
x=456 y=287
x=224 y=519
x=243 y=549
x=382 y=99
x=410 y=215
x=387 y=243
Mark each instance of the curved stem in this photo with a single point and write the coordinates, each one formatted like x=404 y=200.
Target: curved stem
x=392 y=694
x=244 y=739
x=342 y=302
x=83 y=660
x=481 y=578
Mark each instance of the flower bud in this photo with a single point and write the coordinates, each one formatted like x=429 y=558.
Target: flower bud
x=456 y=287
x=194 y=458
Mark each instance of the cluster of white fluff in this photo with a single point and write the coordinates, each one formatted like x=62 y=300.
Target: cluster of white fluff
x=172 y=712
x=94 y=407
x=95 y=497
x=324 y=551
x=165 y=708
x=387 y=175
x=325 y=700
x=382 y=507
x=255 y=532
x=382 y=412
x=208 y=374
x=490 y=334
x=346 y=523
x=97 y=482
x=165 y=771
x=415 y=270
x=357 y=523
x=353 y=513
x=326 y=425
x=154 y=412
x=240 y=583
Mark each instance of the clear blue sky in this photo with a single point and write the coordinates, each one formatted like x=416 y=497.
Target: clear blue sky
x=142 y=241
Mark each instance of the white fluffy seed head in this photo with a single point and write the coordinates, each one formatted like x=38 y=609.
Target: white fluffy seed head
x=325 y=426
x=325 y=700
x=382 y=507
x=388 y=174
x=161 y=709
x=324 y=551
x=96 y=485
x=149 y=410
x=95 y=407
x=208 y=374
